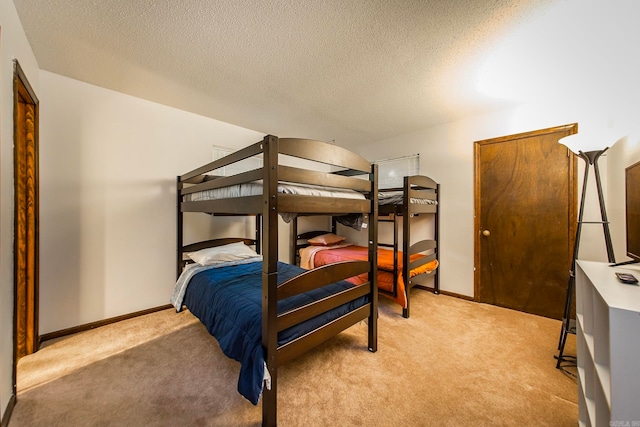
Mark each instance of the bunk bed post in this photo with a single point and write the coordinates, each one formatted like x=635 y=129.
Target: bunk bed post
x=258 y=233
x=293 y=241
x=373 y=259
x=270 y=277
x=179 y=221
x=406 y=243
x=395 y=254
x=436 y=234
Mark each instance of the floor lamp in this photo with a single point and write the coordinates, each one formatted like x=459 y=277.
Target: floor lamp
x=590 y=151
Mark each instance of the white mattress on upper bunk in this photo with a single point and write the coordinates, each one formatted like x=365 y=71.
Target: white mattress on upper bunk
x=255 y=189
x=396 y=198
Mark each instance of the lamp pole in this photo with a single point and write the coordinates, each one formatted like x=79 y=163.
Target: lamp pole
x=590 y=158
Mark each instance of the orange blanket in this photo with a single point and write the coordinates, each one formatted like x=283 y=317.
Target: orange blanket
x=385 y=267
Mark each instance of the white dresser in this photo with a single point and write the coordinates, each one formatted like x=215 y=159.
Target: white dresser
x=608 y=341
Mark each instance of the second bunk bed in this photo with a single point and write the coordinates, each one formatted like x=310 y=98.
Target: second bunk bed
x=419 y=195
x=279 y=310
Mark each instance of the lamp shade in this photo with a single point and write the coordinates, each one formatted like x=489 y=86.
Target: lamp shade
x=590 y=141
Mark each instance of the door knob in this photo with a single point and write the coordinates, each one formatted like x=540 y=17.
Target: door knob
x=486 y=233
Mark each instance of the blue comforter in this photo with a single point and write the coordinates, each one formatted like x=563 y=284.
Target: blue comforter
x=228 y=301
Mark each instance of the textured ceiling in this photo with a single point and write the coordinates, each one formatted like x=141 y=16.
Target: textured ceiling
x=346 y=70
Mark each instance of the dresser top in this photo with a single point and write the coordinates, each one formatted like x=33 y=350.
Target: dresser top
x=615 y=293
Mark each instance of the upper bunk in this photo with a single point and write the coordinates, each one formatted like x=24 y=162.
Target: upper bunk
x=333 y=181
x=418 y=194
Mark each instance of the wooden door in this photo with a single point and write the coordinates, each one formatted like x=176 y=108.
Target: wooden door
x=25 y=156
x=525 y=219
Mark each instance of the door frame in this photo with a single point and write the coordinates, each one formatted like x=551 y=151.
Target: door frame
x=23 y=93
x=573 y=192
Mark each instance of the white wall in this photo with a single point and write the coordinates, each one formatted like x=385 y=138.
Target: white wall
x=446 y=155
x=108 y=164
x=13 y=45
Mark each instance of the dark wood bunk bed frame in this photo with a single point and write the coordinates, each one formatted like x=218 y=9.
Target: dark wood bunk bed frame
x=414 y=187
x=266 y=208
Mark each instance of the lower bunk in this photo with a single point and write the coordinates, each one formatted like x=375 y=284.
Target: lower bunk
x=223 y=288
x=318 y=248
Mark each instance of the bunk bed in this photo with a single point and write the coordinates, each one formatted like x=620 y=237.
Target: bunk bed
x=293 y=309
x=419 y=195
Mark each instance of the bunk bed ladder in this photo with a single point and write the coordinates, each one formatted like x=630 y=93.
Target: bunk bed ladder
x=394 y=247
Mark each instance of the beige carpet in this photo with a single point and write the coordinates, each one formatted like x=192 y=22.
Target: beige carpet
x=453 y=363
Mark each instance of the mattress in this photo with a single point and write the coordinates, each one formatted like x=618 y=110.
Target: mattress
x=255 y=189
x=316 y=256
x=354 y=221
x=397 y=197
x=228 y=301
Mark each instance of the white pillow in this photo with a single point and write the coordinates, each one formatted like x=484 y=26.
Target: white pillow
x=224 y=253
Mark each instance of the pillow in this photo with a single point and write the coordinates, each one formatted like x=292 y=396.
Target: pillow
x=326 y=240
x=224 y=253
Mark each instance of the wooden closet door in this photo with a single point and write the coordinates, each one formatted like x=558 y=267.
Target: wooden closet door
x=26 y=216
x=525 y=221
